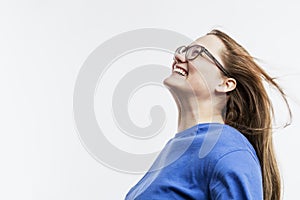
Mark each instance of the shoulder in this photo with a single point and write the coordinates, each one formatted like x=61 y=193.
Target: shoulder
x=236 y=175
x=235 y=171
x=235 y=162
x=223 y=142
x=228 y=140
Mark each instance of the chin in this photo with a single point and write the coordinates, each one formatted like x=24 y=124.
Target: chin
x=174 y=82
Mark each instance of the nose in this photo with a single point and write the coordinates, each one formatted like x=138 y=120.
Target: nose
x=179 y=57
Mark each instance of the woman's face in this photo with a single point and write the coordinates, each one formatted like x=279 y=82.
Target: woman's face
x=203 y=75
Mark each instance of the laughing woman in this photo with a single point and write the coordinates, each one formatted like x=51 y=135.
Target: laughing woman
x=223 y=147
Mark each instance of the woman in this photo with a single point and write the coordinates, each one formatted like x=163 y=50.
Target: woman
x=224 y=128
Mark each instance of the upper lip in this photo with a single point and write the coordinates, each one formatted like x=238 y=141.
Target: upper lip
x=176 y=65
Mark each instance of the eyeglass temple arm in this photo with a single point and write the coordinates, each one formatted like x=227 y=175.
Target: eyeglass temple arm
x=216 y=61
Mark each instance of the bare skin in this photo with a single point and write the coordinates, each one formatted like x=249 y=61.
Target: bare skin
x=201 y=95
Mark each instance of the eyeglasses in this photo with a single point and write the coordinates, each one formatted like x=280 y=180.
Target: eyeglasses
x=194 y=51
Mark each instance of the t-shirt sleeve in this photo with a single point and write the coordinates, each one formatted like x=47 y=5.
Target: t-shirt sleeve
x=237 y=175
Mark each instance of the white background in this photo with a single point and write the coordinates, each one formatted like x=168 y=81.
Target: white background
x=43 y=45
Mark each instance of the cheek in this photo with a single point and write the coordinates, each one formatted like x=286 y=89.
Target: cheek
x=204 y=68
x=203 y=78
x=199 y=83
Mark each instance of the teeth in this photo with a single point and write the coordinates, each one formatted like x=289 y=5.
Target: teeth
x=182 y=72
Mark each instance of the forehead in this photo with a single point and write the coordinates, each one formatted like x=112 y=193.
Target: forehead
x=212 y=43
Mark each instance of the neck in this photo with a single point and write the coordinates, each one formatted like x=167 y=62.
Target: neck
x=190 y=114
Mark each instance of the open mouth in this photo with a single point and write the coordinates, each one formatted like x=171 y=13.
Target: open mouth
x=179 y=70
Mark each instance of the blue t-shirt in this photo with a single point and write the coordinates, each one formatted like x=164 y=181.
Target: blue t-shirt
x=207 y=161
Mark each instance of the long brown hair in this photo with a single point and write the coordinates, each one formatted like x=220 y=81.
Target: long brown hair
x=249 y=109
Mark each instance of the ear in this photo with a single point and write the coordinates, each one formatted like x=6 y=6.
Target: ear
x=227 y=85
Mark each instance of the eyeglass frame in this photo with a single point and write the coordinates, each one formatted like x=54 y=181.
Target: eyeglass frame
x=203 y=49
